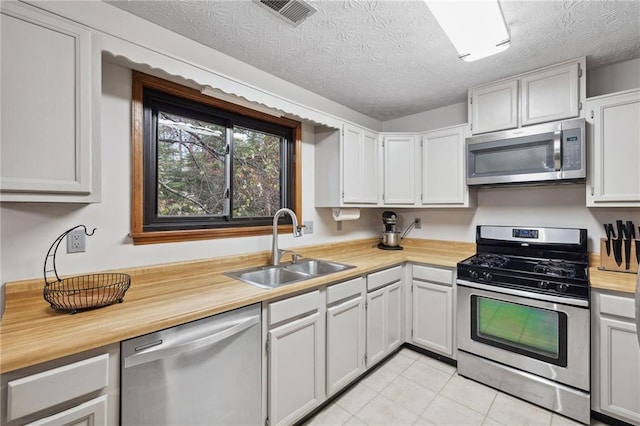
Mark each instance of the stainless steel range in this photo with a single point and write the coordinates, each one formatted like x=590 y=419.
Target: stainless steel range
x=523 y=316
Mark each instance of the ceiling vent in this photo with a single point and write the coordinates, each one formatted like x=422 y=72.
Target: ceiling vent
x=291 y=11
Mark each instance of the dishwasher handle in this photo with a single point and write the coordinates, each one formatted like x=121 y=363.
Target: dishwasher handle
x=159 y=352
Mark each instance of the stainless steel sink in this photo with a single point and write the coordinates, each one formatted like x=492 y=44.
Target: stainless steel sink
x=317 y=267
x=287 y=273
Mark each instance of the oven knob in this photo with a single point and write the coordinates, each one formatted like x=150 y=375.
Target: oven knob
x=543 y=285
x=562 y=288
x=473 y=274
x=487 y=276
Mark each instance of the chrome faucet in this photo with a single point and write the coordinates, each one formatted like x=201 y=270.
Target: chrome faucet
x=276 y=253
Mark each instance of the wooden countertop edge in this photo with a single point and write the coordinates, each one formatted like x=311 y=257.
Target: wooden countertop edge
x=163 y=296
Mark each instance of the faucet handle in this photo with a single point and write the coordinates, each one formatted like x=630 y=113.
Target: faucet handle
x=295 y=257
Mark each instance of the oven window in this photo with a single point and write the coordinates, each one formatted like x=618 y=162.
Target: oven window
x=526 y=330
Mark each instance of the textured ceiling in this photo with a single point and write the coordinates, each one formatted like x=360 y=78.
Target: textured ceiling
x=389 y=59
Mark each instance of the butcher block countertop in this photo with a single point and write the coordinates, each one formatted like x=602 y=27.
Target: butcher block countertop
x=167 y=295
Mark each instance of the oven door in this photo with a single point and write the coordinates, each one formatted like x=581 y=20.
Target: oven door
x=541 y=337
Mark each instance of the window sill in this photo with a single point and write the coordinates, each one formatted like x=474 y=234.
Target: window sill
x=158 y=237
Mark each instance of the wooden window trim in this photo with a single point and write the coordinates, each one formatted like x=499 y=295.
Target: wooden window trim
x=140 y=81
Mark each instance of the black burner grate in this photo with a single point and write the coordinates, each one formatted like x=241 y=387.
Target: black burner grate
x=489 y=260
x=555 y=267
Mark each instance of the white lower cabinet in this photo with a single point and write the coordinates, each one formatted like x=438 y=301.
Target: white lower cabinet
x=615 y=363
x=90 y=413
x=432 y=325
x=295 y=357
x=346 y=328
x=81 y=389
x=385 y=313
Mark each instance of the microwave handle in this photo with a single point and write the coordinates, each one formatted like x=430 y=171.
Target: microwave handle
x=557 y=150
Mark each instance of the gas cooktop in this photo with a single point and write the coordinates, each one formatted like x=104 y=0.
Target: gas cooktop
x=540 y=260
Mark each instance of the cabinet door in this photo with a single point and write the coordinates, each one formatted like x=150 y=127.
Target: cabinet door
x=399 y=169
x=443 y=170
x=376 y=326
x=615 y=151
x=369 y=176
x=90 y=413
x=49 y=80
x=619 y=370
x=352 y=161
x=432 y=326
x=360 y=166
x=295 y=372
x=494 y=107
x=550 y=95
x=394 y=316
x=345 y=343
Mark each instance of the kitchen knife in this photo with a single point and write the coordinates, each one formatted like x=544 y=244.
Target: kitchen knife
x=628 y=231
x=638 y=255
x=608 y=229
x=617 y=244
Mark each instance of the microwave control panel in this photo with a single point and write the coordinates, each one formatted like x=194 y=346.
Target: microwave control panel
x=571 y=149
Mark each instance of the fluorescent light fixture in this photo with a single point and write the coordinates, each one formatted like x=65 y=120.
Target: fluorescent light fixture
x=477 y=29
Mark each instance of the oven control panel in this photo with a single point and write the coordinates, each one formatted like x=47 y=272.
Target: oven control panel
x=525 y=233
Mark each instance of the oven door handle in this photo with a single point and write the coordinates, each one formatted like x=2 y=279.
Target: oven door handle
x=521 y=293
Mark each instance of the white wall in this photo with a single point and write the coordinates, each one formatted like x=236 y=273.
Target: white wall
x=548 y=206
x=614 y=78
x=607 y=79
x=29 y=229
x=438 y=118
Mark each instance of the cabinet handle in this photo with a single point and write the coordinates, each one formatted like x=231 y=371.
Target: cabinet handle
x=557 y=153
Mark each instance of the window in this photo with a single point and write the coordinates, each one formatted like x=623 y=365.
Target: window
x=204 y=168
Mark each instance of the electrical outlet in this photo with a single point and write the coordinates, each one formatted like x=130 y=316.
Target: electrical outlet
x=418 y=222
x=76 y=241
x=308 y=227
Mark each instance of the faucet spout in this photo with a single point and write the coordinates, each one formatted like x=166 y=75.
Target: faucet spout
x=276 y=253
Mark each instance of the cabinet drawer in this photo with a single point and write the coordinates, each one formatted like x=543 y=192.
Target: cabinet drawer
x=293 y=307
x=611 y=304
x=92 y=412
x=434 y=275
x=382 y=278
x=39 y=391
x=341 y=291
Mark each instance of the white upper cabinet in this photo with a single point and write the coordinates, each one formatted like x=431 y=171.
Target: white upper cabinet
x=399 y=158
x=443 y=168
x=346 y=165
x=548 y=94
x=494 y=107
x=614 y=150
x=50 y=70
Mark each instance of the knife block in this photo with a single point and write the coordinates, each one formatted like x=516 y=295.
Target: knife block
x=608 y=263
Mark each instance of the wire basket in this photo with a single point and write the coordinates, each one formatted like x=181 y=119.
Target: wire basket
x=83 y=291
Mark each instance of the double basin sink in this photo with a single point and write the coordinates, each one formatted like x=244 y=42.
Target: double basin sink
x=287 y=273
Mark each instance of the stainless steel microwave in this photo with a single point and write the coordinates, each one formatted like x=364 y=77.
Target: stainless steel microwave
x=544 y=152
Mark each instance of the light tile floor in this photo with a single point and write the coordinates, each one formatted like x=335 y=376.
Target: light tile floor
x=413 y=389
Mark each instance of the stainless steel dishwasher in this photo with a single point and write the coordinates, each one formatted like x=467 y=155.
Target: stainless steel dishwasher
x=207 y=372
